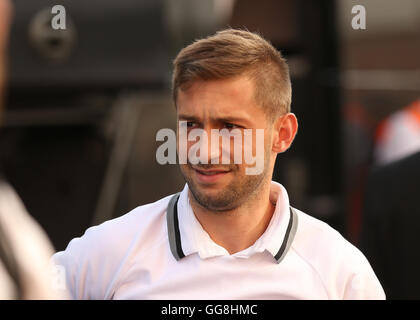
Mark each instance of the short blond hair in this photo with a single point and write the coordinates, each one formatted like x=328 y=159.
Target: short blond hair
x=230 y=53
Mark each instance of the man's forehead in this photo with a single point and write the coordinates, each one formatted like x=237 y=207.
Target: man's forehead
x=227 y=97
x=237 y=87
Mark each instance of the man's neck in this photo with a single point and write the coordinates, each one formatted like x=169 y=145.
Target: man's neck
x=237 y=229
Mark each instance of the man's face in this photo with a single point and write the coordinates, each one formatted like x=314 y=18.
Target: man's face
x=223 y=104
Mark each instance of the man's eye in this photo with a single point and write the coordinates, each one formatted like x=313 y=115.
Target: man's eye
x=190 y=124
x=231 y=126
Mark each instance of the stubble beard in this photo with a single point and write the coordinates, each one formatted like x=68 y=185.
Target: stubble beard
x=242 y=189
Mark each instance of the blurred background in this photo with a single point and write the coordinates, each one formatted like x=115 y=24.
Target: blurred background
x=85 y=103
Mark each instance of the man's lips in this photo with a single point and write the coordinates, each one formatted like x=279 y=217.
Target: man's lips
x=210 y=172
x=210 y=176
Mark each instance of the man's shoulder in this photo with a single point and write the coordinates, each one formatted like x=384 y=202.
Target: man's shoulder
x=342 y=268
x=140 y=217
x=106 y=250
x=119 y=233
x=310 y=227
x=325 y=249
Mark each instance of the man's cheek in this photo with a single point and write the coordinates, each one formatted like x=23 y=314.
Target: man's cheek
x=186 y=170
x=254 y=151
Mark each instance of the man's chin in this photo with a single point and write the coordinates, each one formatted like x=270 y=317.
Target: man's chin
x=208 y=190
x=214 y=203
x=212 y=197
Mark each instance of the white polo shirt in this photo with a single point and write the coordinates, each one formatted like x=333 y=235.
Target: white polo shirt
x=155 y=253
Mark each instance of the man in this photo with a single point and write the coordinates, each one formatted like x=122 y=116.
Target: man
x=24 y=248
x=391 y=226
x=229 y=234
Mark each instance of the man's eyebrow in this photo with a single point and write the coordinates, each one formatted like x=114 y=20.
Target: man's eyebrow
x=233 y=119
x=187 y=117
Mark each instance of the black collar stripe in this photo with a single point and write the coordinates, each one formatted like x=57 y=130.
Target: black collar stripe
x=173 y=228
x=175 y=235
x=289 y=236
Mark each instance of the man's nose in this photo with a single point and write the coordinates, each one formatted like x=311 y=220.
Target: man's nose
x=209 y=147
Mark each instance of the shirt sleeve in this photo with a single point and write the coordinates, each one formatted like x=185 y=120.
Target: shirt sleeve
x=359 y=279
x=92 y=263
x=82 y=267
x=72 y=269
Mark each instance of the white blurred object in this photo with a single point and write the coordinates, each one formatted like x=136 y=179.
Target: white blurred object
x=399 y=135
x=30 y=251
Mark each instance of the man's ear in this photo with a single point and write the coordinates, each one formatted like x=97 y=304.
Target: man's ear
x=284 y=132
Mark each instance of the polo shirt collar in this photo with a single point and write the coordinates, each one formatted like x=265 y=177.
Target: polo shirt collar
x=187 y=236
